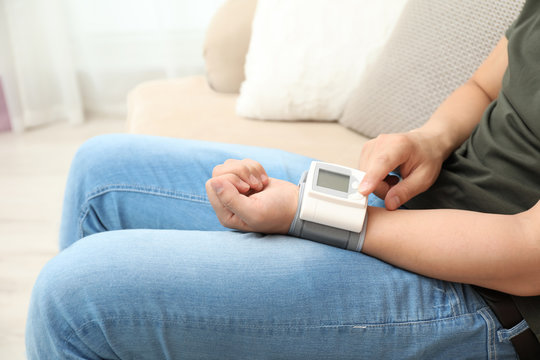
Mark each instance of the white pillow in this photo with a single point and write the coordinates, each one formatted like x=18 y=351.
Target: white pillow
x=306 y=56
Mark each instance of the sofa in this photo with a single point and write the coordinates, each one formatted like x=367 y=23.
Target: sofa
x=204 y=107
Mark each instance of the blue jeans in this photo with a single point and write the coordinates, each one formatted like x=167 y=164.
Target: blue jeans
x=147 y=272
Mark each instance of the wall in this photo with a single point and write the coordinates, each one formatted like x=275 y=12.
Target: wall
x=5 y=123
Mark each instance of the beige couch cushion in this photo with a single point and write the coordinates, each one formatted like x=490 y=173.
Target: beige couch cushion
x=226 y=44
x=188 y=108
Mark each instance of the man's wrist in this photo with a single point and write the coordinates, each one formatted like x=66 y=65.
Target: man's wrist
x=440 y=142
x=298 y=201
x=292 y=212
x=322 y=233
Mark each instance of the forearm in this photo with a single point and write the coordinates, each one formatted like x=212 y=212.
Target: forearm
x=494 y=251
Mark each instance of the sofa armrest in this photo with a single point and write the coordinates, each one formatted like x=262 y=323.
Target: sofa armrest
x=226 y=45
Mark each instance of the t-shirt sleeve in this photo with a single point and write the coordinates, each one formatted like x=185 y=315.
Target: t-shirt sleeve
x=525 y=9
x=510 y=29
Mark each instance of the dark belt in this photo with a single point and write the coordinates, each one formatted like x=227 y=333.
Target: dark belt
x=526 y=343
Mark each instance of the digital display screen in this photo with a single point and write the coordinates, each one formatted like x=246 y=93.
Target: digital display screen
x=332 y=180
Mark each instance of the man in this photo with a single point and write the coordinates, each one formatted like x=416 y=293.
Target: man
x=219 y=294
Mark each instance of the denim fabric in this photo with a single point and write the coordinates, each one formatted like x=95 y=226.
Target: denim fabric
x=147 y=272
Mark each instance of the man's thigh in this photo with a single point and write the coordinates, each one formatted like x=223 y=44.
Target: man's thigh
x=191 y=294
x=123 y=181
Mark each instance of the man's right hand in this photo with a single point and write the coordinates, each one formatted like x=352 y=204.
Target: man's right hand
x=418 y=157
x=419 y=154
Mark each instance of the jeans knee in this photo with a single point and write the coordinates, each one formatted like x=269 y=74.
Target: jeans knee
x=48 y=315
x=56 y=287
x=102 y=160
x=101 y=154
x=64 y=299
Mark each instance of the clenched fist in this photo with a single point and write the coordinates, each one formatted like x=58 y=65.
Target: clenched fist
x=245 y=198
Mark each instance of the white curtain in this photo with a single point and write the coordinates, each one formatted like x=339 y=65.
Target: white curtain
x=63 y=59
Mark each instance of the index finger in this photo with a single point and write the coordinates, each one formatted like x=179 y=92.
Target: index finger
x=377 y=170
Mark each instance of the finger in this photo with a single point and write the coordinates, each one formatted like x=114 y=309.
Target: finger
x=219 y=209
x=365 y=155
x=405 y=190
x=225 y=215
x=257 y=175
x=232 y=201
x=246 y=169
x=257 y=170
x=384 y=186
x=233 y=166
x=242 y=186
x=378 y=168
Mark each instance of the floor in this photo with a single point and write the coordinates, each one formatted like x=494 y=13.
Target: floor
x=33 y=170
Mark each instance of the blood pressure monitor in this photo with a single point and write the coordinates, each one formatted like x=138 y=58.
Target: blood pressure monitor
x=331 y=197
x=330 y=209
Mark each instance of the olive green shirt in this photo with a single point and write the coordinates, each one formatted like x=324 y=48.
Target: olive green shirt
x=497 y=170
